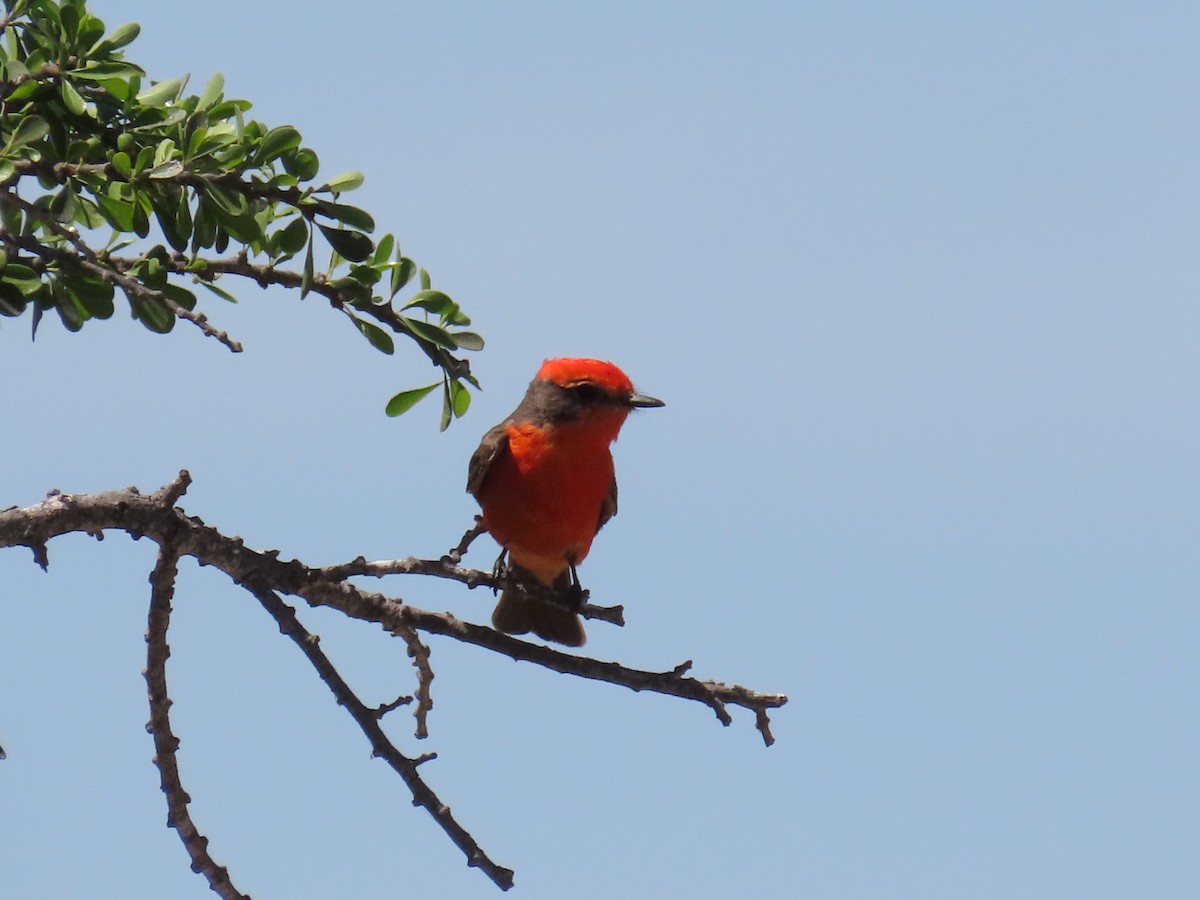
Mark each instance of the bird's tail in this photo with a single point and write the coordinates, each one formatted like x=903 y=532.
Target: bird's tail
x=518 y=614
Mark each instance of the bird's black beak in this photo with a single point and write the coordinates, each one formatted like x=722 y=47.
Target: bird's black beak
x=644 y=402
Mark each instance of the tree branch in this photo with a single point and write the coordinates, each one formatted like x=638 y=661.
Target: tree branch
x=447 y=567
x=162 y=583
x=368 y=720
x=265 y=575
x=114 y=268
x=89 y=260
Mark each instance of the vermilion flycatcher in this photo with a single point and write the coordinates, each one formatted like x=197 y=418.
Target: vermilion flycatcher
x=544 y=478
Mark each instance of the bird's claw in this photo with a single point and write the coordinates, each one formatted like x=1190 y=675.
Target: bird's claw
x=499 y=570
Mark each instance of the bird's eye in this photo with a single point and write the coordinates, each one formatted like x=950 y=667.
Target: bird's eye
x=586 y=391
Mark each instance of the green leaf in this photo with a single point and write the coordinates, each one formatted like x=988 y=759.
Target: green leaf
x=379 y=338
x=349 y=215
x=290 y=240
x=69 y=17
x=430 y=333
x=151 y=272
x=69 y=309
x=406 y=400
x=182 y=296
x=120 y=90
x=120 y=162
x=460 y=398
x=161 y=93
x=7 y=171
x=90 y=30
x=353 y=291
x=347 y=181
x=93 y=295
x=219 y=291
x=183 y=215
x=275 y=143
x=164 y=151
x=118 y=213
x=402 y=272
x=229 y=202
x=22 y=278
x=22 y=91
x=367 y=274
x=306 y=280
x=302 y=163
x=166 y=209
x=71 y=99
x=37 y=319
x=144 y=160
x=141 y=220
x=383 y=250
x=31 y=130
x=435 y=302
x=152 y=312
x=467 y=340
x=351 y=245
x=447 y=406
x=212 y=92
x=119 y=37
x=12 y=301
x=63 y=206
x=87 y=213
x=233 y=214
x=426 y=281
x=168 y=169
x=204 y=230
x=106 y=70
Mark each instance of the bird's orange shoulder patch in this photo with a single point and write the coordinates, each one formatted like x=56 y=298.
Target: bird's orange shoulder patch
x=529 y=443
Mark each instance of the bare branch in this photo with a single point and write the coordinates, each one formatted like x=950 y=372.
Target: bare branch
x=454 y=557
x=162 y=582
x=145 y=515
x=419 y=654
x=265 y=575
x=384 y=708
x=446 y=567
x=381 y=745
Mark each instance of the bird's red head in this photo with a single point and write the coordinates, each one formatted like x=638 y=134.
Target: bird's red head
x=567 y=372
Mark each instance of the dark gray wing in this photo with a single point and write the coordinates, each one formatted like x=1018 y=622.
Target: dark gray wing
x=494 y=443
x=608 y=508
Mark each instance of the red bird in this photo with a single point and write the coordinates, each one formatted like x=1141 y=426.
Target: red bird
x=544 y=478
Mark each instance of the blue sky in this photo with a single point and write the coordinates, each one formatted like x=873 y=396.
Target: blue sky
x=918 y=284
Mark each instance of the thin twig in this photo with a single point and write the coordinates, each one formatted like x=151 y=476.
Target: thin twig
x=454 y=557
x=418 y=652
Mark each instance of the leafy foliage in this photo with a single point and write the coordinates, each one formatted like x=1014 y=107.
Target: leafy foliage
x=112 y=182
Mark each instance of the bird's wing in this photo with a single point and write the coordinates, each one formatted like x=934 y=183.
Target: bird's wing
x=608 y=508
x=494 y=443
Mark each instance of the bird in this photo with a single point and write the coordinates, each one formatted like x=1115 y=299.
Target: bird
x=545 y=484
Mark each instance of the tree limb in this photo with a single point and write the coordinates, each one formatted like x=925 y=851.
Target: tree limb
x=162 y=584
x=368 y=720
x=266 y=576
x=87 y=259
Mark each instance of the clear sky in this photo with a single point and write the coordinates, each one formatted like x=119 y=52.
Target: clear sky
x=918 y=283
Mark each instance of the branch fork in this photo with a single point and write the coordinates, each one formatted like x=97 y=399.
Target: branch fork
x=265 y=576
